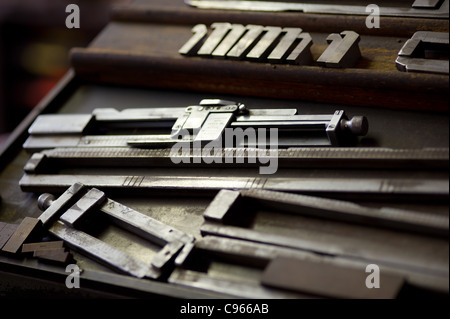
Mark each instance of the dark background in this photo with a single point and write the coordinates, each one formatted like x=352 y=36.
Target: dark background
x=34 y=49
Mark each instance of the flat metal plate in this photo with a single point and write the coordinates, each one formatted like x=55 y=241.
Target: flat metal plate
x=418 y=10
x=329 y=280
x=68 y=124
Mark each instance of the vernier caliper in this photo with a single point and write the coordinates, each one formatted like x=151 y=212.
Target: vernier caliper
x=200 y=124
x=417 y=8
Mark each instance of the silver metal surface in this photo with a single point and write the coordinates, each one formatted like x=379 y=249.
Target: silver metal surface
x=221 y=205
x=233 y=289
x=430 y=4
x=302 y=52
x=220 y=29
x=348 y=282
x=253 y=42
x=342 y=52
x=102 y=252
x=193 y=45
x=375 y=252
x=141 y=225
x=244 y=45
x=416 y=222
x=265 y=44
x=268 y=6
x=237 y=30
x=412 y=56
x=52 y=208
x=364 y=188
x=258 y=256
x=92 y=199
x=285 y=44
x=214 y=126
x=60 y=124
x=204 y=123
x=371 y=158
x=105 y=115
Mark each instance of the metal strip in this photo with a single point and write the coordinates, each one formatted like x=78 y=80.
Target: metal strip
x=414 y=221
x=259 y=255
x=6 y=231
x=198 y=280
x=143 y=225
x=371 y=158
x=93 y=198
x=368 y=188
x=102 y=252
x=269 y=6
x=315 y=278
x=343 y=249
x=29 y=227
x=55 y=207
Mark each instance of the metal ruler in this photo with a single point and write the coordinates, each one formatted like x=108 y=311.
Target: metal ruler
x=370 y=158
x=418 y=9
x=361 y=188
x=416 y=222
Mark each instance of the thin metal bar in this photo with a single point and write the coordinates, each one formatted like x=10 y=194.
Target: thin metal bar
x=102 y=252
x=143 y=225
x=417 y=222
x=342 y=248
x=269 y=6
x=259 y=255
x=230 y=288
x=368 y=188
x=371 y=158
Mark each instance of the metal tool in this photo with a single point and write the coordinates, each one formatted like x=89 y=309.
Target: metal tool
x=194 y=272
x=361 y=188
x=418 y=9
x=421 y=53
x=232 y=214
x=201 y=124
x=370 y=158
x=411 y=221
x=62 y=217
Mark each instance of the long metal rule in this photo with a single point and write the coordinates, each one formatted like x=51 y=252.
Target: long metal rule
x=416 y=222
x=228 y=213
x=363 y=188
x=419 y=8
x=259 y=257
x=371 y=158
x=64 y=215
